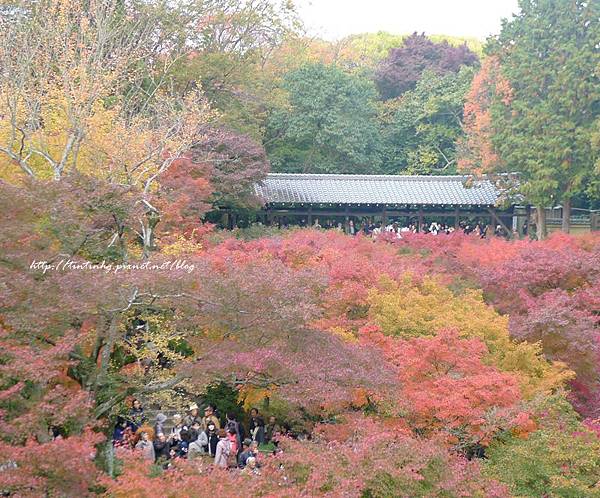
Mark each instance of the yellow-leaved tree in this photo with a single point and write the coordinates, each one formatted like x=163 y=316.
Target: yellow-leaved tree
x=410 y=309
x=85 y=87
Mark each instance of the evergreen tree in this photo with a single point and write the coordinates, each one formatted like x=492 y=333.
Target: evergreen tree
x=329 y=125
x=421 y=127
x=543 y=128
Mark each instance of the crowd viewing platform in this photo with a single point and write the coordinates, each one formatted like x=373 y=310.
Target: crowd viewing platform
x=374 y=229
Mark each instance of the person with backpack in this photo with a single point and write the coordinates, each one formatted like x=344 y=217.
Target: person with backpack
x=224 y=450
x=197 y=445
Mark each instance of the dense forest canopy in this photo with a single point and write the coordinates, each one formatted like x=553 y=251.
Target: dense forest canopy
x=415 y=365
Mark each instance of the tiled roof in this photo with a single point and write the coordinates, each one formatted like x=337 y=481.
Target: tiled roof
x=287 y=188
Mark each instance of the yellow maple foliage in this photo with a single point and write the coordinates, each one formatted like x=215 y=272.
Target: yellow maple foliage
x=252 y=396
x=409 y=309
x=343 y=333
x=73 y=97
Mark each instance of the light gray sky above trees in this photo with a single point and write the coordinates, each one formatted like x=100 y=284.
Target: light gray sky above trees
x=333 y=19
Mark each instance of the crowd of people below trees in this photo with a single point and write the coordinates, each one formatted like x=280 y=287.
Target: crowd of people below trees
x=228 y=445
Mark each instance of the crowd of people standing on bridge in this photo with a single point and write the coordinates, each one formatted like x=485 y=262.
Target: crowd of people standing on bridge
x=373 y=229
x=231 y=445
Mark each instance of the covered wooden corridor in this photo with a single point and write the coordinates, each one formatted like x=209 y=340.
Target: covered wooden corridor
x=303 y=198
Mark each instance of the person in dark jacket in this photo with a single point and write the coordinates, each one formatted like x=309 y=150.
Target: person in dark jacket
x=272 y=430
x=256 y=426
x=129 y=439
x=161 y=447
x=136 y=415
x=119 y=431
x=250 y=450
x=184 y=443
x=211 y=440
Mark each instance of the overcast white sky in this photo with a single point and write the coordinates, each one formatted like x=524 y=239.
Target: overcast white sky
x=333 y=19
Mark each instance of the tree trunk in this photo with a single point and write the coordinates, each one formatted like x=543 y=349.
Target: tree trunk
x=110 y=459
x=147 y=240
x=566 y=216
x=152 y=219
x=110 y=340
x=541 y=231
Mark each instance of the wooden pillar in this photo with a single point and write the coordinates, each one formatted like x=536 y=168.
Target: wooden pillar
x=384 y=217
x=346 y=220
x=420 y=221
x=309 y=221
x=514 y=220
x=456 y=219
x=269 y=217
x=595 y=222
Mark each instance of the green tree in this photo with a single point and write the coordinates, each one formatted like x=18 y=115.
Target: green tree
x=420 y=128
x=368 y=49
x=328 y=126
x=543 y=128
